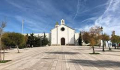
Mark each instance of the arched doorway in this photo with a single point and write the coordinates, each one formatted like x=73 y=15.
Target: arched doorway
x=62 y=41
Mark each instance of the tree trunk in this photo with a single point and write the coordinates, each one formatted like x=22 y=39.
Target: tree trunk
x=93 y=49
x=0 y=49
x=99 y=45
x=109 y=45
x=17 y=48
x=115 y=46
x=3 y=54
x=109 y=48
x=103 y=47
x=0 y=53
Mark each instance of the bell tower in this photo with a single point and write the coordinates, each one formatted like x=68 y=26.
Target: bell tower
x=62 y=22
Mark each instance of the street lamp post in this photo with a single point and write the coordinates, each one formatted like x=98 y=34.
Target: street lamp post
x=102 y=39
x=22 y=25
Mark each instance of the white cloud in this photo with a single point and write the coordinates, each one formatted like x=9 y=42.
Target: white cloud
x=110 y=19
x=77 y=9
x=30 y=23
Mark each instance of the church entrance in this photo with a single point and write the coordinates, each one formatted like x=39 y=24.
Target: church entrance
x=62 y=41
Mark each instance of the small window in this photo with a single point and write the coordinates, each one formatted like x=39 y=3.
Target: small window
x=62 y=29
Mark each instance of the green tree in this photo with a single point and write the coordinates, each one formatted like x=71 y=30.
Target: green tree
x=80 y=39
x=115 y=39
x=92 y=41
x=31 y=40
x=37 y=41
x=26 y=39
x=105 y=37
x=2 y=26
x=15 y=39
x=94 y=37
x=45 y=40
x=6 y=42
x=86 y=37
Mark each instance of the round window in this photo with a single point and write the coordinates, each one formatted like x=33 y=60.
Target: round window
x=62 y=29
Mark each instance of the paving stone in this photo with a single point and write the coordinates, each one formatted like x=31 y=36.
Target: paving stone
x=62 y=58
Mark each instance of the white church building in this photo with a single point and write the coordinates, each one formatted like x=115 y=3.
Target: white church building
x=61 y=35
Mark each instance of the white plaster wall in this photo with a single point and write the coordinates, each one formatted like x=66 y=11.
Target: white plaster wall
x=54 y=36
x=71 y=36
x=62 y=34
x=101 y=43
x=68 y=34
x=76 y=38
x=48 y=35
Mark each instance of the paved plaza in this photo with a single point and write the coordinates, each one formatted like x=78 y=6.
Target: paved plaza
x=62 y=58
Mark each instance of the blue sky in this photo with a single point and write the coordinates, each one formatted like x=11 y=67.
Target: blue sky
x=41 y=15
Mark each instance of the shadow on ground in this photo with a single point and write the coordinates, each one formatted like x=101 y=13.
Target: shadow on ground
x=4 y=52
x=108 y=50
x=98 y=63
x=70 y=53
x=48 y=58
x=112 y=54
x=83 y=49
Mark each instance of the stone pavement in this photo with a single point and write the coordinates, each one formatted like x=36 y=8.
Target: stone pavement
x=63 y=58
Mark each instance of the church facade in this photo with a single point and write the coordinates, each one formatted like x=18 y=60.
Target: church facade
x=61 y=35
